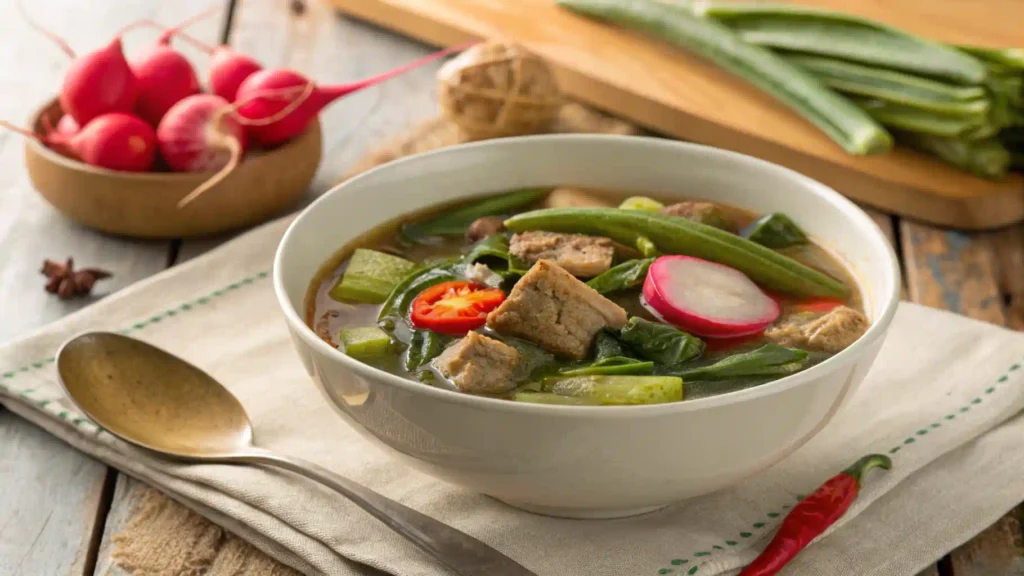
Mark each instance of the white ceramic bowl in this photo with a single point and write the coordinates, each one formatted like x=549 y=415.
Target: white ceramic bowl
x=586 y=462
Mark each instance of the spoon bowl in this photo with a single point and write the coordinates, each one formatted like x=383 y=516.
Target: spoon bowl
x=153 y=399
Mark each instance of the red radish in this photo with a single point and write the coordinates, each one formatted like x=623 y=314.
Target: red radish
x=97 y=83
x=706 y=298
x=199 y=134
x=115 y=141
x=163 y=77
x=228 y=69
x=67 y=126
x=292 y=114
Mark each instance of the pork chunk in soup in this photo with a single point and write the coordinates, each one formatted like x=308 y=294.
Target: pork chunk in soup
x=526 y=297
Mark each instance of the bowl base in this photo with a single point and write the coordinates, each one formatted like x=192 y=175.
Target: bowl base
x=585 y=513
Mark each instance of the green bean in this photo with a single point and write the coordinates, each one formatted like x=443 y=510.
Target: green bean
x=829 y=33
x=892 y=86
x=1009 y=57
x=455 y=222
x=680 y=236
x=848 y=126
x=921 y=121
x=985 y=158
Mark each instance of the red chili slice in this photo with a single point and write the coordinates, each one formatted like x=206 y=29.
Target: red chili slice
x=455 y=307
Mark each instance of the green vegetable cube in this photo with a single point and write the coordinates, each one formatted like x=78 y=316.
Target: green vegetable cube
x=641 y=203
x=364 y=343
x=370 y=277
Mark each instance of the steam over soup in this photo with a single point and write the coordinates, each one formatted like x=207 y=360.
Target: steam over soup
x=581 y=297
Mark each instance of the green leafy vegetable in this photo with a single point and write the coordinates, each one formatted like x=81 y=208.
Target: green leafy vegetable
x=366 y=342
x=456 y=222
x=659 y=342
x=370 y=277
x=641 y=203
x=424 y=346
x=607 y=346
x=398 y=302
x=612 y=365
x=629 y=274
x=617 y=390
x=775 y=231
x=494 y=246
x=536 y=362
x=673 y=235
x=848 y=126
x=766 y=361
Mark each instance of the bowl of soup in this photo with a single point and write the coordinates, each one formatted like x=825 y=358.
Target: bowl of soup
x=586 y=326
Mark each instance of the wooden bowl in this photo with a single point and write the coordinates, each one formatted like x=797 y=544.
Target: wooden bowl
x=144 y=205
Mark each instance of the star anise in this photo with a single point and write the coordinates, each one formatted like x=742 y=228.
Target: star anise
x=66 y=282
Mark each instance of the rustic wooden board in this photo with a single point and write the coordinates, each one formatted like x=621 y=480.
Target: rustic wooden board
x=673 y=92
x=972 y=275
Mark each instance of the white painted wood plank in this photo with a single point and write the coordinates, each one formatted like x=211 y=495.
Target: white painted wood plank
x=51 y=501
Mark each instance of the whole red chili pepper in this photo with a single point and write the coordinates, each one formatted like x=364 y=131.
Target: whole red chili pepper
x=813 y=515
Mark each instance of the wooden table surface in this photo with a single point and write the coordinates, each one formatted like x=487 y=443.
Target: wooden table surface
x=58 y=508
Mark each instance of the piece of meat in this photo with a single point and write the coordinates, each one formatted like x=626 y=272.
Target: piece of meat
x=553 y=309
x=483 y=227
x=831 y=332
x=704 y=212
x=580 y=255
x=566 y=197
x=479 y=365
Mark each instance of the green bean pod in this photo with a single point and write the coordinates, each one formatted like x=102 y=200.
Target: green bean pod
x=829 y=33
x=680 y=236
x=985 y=158
x=846 y=124
x=922 y=121
x=896 y=87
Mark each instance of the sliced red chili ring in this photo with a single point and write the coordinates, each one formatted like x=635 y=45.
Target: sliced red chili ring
x=455 y=307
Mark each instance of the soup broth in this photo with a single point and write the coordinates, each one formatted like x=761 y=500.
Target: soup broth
x=587 y=298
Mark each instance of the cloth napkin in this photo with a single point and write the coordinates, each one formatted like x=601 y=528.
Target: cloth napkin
x=943 y=400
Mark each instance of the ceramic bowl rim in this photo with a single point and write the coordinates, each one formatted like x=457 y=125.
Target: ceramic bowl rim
x=866 y=227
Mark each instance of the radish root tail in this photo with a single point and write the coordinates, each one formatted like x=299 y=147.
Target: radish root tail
x=223 y=141
x=22 y=131
x=61 y=42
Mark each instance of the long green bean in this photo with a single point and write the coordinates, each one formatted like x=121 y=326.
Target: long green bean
x=896 y=87
x=680 y=236
x=985 y=158
x=830 y=33
x=921 y=121
x=847 y=125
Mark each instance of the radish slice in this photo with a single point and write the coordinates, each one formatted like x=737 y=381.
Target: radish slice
x=707 y=299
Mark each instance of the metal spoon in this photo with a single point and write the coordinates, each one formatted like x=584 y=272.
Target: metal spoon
x=158 y=401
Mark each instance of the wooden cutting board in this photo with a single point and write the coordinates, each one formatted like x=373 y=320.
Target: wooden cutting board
x=671 y=91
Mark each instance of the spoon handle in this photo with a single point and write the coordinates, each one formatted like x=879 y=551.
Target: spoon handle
x=457 y=550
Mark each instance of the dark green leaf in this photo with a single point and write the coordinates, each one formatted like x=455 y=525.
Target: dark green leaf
x=400 y=299
x=661 y=343
x=494 y=246
x=616 y=365
x=607 y=346
x=768 y=360
x=629 y=274
x=538 y=362
x=775 y=231
x=424 y=347
x=456 y=222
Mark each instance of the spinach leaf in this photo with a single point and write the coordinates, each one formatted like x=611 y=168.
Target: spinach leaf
x=398 y=302
x=494 y=246
x=775 y=231
x=770 y=360
x=608 y=346
x=661 y=343
x=629 y=274
x=456 y=222
x=537 y=361
x=424 y=347
x=615 y=365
